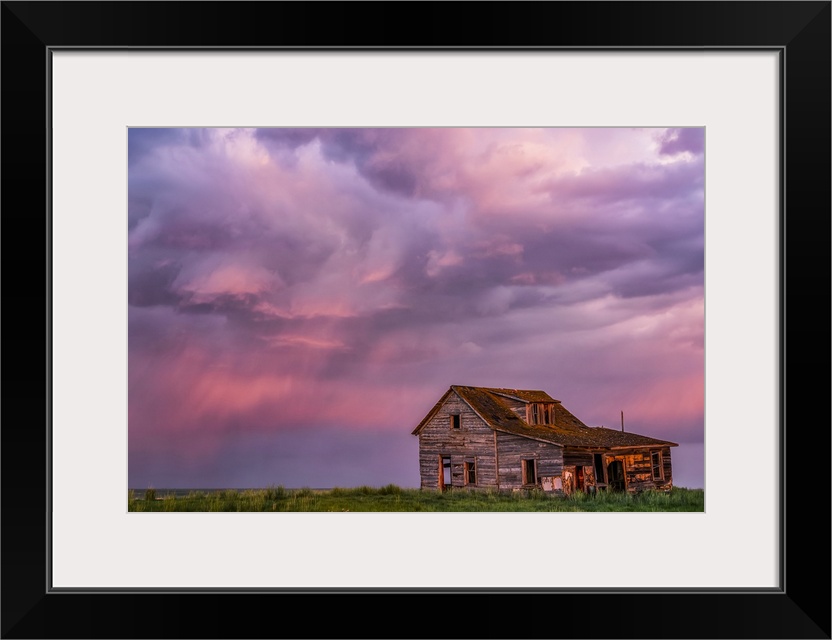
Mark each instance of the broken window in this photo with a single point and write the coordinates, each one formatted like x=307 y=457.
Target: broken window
x=656 y=458
x=529 y=471
x=470 y=472
x=540 y=413
x=456 y=421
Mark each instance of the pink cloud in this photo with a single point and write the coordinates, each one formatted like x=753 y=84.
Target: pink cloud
x=295 y=280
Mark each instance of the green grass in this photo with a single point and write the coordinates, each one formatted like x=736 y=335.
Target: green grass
x=391 y=498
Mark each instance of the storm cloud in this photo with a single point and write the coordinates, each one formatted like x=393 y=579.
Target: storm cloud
x=311 y=292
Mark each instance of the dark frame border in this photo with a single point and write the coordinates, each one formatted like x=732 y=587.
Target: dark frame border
x=800 y=31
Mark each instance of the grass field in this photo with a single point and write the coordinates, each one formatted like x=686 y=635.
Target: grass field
x=393 y=498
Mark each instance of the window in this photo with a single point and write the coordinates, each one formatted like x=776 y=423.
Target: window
x=455 y=421
x=656 y=459
x=470 y=472
x=540 y=414
x=529 y=472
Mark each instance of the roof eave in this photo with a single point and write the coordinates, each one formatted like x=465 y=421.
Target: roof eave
x=642 y=446
x=431 y=413
x=527 y=437
x=506 y=394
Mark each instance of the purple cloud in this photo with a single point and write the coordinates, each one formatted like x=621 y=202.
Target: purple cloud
x=675 y=141
x=279 y=279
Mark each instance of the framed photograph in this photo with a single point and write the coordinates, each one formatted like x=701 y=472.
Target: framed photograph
x=109 y=105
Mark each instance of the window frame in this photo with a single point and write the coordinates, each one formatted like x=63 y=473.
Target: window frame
x=540 y=413
x=469 y=465
x=524 y=468
x=659 y=466
x=455 y=421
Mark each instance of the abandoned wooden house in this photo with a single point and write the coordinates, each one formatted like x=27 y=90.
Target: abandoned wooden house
x=479 y=437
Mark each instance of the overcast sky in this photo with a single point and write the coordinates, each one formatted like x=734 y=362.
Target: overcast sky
x=300 y=298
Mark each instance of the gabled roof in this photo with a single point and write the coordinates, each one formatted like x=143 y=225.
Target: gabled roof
x=567 y=430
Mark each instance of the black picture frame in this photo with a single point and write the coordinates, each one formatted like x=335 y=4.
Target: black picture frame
x=799 y=608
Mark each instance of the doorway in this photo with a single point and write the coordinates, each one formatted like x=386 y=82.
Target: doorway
x=615 y=475
x=444 y=472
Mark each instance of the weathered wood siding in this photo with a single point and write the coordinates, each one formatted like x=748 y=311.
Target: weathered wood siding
x=638 y=469
x=473 y=441
x=571 y=481
x=572 y=458
x=511 y=450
